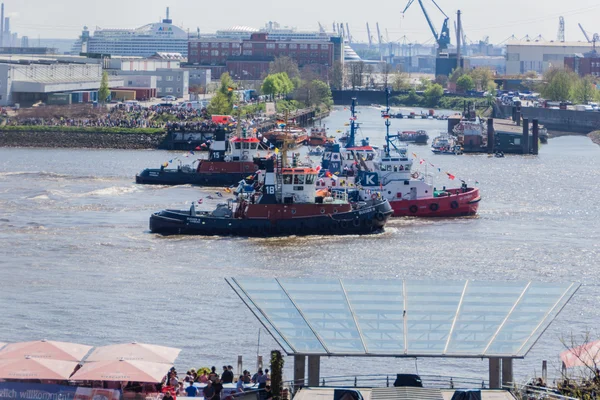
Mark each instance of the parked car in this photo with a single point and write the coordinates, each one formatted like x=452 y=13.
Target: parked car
x=169 y=98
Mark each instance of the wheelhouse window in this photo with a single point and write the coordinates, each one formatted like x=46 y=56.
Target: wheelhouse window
x=253 y=146
x=246 y=145
x=310 y=179
x=287 y=179
x=238 y=145
x=298 y=179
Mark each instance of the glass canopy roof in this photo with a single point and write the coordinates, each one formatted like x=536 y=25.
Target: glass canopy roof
x=404 y=318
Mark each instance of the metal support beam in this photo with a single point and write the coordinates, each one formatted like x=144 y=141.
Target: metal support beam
x=494 y=373
x=314 y=370
x=299 y=370
x=507 y=372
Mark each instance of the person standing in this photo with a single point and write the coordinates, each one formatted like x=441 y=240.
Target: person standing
x=239 y=386
x=227 y=375
x=218 y=389
x=209 y=391
x=191 y=390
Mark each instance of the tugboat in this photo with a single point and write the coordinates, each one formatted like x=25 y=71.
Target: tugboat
x=390 y=175
x=228 y=163
x=287 y=204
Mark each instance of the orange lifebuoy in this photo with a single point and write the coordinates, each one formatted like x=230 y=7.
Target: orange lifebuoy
x=415 y=175
x=374 y=196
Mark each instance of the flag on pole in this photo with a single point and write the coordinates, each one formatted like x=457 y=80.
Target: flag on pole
x=450 y=176
x=414 y=155
x=422 y=161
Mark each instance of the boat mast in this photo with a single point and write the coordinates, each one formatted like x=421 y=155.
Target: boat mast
x=350 y=142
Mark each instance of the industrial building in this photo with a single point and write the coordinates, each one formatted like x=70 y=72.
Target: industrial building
x=142 y=42
x=28 y=82
x=250 y=58
x=584 y=64
x=522 y=57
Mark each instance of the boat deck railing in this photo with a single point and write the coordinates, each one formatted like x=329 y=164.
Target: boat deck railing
x=381 y=380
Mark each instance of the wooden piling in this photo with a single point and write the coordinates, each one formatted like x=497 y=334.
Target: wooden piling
x=536 y=137
x=525 y=140
x=490 y=135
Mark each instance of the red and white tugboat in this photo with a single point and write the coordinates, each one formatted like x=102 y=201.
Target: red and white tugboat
x=229 y=162
x=288 y=204
x=391 y=176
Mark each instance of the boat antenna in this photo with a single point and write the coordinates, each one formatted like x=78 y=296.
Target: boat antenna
x=387 y=121
x=350 y=141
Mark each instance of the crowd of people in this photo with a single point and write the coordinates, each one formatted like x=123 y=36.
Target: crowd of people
x=210 y=384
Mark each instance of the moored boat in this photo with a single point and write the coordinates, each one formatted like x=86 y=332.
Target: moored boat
x=228 y=163
x=287 y=204
x=445 y=144
x=416 y=137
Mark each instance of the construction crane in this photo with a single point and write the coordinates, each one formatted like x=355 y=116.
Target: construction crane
x=561 y=30
x=348 y=33
x=443 y=38
x=369 y=35
x=380 y=40
x=595 y=37
x=321 y=28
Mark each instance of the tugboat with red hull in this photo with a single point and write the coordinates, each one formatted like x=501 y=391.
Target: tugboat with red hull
x=389 y=174
x=287 y=204
x=228 y=163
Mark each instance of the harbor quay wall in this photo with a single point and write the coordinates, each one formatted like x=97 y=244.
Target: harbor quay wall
x=83 y=140
x=559 y=120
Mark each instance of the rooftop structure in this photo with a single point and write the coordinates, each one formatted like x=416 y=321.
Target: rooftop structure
x=404 y=318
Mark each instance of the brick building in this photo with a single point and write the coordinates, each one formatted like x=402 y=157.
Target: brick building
x=250 y=58
x=586 y=65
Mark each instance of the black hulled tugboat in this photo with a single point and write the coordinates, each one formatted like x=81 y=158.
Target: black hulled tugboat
x=229 y=162
x=286 y=204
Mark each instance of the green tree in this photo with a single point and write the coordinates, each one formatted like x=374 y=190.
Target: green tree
x=219 y=105
x=285 y=83
x=400 y=82
x=558 y=84
x=464 y=83
x=104 y=91
x=271 y=86
x=336 y=76
x=315 y=93
x=584 y=90
x=481 y=77
x=456 y=74
x=433 y=94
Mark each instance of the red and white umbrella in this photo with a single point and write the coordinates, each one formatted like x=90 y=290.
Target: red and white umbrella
x=585 y=355
x=136 y=371
x=135 y=352
x=45 y=349
x=36 y=368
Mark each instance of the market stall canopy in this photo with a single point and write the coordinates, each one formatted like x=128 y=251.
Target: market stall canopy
x=585 y=355
x=135 y=352
x=123 y=370
x=36 y=368
x=45 y=349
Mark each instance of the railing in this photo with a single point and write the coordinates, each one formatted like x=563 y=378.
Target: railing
x=429 y=381
x=530 y=392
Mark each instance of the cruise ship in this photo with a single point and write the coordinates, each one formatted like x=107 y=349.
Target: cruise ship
x=141 y=42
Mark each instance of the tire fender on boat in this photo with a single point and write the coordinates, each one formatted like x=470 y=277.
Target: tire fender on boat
x=415 y=175
x=454 y=205
x=413 y=209
x=344 y=224
x=356 y=222
x=434 y=207
x=379 y=216
x=374 y=196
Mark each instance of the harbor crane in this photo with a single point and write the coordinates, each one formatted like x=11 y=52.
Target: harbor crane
x=348 y=33
x=595 y=37
x=369 y=35
x=443 y=38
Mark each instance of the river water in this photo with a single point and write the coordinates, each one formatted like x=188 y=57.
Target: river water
x=78 y=263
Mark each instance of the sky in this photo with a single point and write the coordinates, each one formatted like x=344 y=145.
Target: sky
x=498 y=19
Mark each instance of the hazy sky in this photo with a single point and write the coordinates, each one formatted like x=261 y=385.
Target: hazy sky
x=498 y=19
